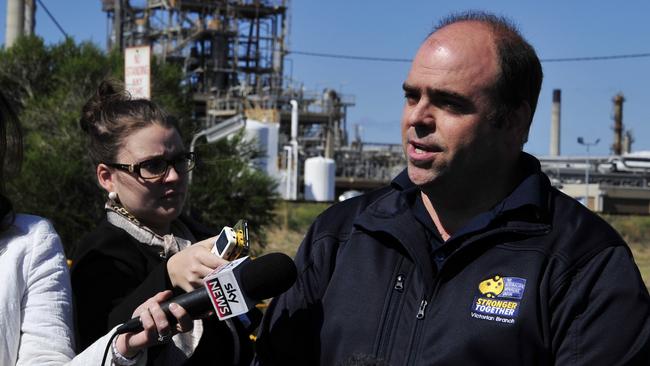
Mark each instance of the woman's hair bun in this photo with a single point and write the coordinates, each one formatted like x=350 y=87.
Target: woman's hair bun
x=108 y=93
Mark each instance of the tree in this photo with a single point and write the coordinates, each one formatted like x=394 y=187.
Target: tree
x=226 y=188
x=54 y=181
x=48 y=86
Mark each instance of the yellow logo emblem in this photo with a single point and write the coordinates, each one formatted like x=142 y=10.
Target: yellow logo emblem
x=491 y=287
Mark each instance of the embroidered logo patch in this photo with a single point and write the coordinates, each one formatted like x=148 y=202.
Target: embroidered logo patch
x=498 y=299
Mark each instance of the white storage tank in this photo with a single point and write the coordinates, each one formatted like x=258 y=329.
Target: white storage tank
x=319 y=179
x=265 y=134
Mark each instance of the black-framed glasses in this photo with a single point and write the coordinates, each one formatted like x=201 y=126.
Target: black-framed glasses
x=158 y=167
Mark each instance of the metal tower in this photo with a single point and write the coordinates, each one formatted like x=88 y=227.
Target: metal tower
x=233 y=53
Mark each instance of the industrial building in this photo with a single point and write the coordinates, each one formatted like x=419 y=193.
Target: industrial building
x=233 y=55
x=616 y=184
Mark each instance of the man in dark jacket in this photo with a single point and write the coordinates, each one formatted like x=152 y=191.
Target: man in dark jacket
x=470 y=257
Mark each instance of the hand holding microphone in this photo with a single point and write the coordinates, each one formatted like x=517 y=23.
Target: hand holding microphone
x=232 y=289
x=244 y=283
x=155 y=325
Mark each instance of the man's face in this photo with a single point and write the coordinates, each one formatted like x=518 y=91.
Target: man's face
x=447 y=136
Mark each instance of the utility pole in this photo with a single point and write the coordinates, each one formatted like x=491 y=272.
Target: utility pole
x=582 y=141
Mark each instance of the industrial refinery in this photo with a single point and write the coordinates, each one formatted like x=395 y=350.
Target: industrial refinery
x=618 y=183
x=233 y=54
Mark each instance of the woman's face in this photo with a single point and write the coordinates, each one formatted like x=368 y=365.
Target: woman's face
x=154 y=202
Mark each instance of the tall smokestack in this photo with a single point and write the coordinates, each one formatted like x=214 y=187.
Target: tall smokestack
x=555 y=123
x=30 y=17
x=15 y=21
x=617 y=146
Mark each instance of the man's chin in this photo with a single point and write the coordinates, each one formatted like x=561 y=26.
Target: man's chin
x=422 y=177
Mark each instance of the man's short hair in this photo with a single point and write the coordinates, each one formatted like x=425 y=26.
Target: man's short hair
x=520 y=77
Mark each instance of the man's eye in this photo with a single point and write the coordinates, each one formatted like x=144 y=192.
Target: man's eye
x=453 y=106
x=450 y=105
x=411 y=98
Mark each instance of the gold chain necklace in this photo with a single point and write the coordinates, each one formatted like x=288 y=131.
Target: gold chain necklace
x=122 y=211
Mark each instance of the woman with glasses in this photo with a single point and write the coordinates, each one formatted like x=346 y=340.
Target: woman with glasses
x=35 y=295
x=144 y=244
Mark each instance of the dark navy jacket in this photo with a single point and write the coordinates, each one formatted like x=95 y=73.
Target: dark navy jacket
x=538 y=280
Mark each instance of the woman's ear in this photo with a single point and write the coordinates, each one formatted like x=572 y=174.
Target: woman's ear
x=105 y=177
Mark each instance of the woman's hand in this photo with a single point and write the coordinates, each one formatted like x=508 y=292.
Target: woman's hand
x=156 y=326
x=188 y=267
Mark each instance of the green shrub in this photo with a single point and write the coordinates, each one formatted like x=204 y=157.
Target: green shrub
x=48 y=85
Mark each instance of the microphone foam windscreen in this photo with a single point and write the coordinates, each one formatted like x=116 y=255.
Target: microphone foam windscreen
x=268 y=276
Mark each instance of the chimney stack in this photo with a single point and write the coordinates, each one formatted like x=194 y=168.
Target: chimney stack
x=555 y=123
x=15 y=26
x=30 y=17
x=617 y=146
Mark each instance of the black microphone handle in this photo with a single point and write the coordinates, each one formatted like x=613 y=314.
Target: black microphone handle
x=262 y=278
x=196 y=303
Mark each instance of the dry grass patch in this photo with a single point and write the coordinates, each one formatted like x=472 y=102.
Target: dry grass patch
x=284 y=241
x=642 y=258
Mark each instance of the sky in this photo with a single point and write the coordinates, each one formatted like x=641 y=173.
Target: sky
x=395 y=29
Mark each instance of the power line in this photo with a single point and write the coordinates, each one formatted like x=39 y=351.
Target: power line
x=389 y=59
x=350 y=57
x=52 y=17
x=597 y=58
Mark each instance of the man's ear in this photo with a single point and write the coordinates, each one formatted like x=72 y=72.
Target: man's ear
x=105 y=177
x=519 y=121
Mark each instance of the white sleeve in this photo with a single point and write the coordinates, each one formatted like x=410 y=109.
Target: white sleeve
x=46 y=336
x=46 y=333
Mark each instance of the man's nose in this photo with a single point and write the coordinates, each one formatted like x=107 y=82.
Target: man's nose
x=421 y=115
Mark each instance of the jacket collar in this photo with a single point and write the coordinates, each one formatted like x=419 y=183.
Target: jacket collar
x=527 y=207
x=531 y=190
x=526 y=210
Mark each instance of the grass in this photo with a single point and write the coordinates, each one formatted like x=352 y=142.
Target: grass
x=295 y=218
x=636 y=232
x=642 y=258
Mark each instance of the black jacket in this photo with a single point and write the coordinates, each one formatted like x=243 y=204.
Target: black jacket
x=113 y=274
x=544 y=283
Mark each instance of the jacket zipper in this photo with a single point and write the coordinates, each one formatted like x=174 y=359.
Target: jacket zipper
x=393 y=303
x=414 y=342
x=416 y=331
x=415 y=337
x=423 y=306
x=399 y=283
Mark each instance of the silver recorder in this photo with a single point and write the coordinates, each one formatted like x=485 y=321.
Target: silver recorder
x=232 y=242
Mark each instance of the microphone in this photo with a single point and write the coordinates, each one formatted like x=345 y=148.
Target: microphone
x=231 y=289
